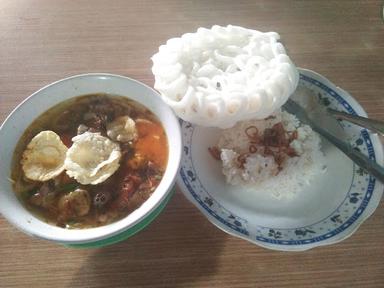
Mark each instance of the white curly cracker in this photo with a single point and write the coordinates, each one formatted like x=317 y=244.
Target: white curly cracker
x=43 y=159
x=219 y=76
x=122 y=129
x=92 y=158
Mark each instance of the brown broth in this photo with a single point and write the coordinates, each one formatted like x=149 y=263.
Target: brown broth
x=143 y=162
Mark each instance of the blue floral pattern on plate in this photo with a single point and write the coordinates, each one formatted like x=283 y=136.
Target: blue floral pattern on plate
x=340 y=221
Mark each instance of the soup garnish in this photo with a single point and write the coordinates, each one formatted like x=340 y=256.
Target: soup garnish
x=89 y=161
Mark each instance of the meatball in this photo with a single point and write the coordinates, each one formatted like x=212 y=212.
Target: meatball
x=74 y=204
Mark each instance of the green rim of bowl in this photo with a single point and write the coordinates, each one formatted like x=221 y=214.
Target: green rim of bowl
x=127 y=233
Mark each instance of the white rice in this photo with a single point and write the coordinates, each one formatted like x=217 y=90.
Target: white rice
x=259 y=172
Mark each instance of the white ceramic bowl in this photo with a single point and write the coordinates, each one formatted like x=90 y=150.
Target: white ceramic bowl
x=40 y=101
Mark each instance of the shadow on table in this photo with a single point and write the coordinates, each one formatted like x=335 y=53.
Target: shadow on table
x=176 y=249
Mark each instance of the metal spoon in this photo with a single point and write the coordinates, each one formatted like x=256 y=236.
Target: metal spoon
x=357 y=157
x=371 y=124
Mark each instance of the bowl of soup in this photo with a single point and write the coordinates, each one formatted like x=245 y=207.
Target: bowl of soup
x=89 y=160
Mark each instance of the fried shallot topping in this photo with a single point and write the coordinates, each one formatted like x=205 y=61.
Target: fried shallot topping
x=215 y=152
x=273 y=141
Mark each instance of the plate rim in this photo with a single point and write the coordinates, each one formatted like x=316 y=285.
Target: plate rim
x=369 y=209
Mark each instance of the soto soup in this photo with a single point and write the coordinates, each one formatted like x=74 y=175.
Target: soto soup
x=89 y=161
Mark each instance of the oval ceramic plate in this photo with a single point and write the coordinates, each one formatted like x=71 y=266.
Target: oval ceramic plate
x=327 y=211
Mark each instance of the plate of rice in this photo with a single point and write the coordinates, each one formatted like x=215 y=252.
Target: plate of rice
x=250 y=167
x=318 y=197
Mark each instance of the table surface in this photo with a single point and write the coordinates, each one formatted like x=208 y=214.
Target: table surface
x=43 y=41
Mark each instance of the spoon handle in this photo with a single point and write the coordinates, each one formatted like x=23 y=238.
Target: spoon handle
x=371 y=124
x=357 y=157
